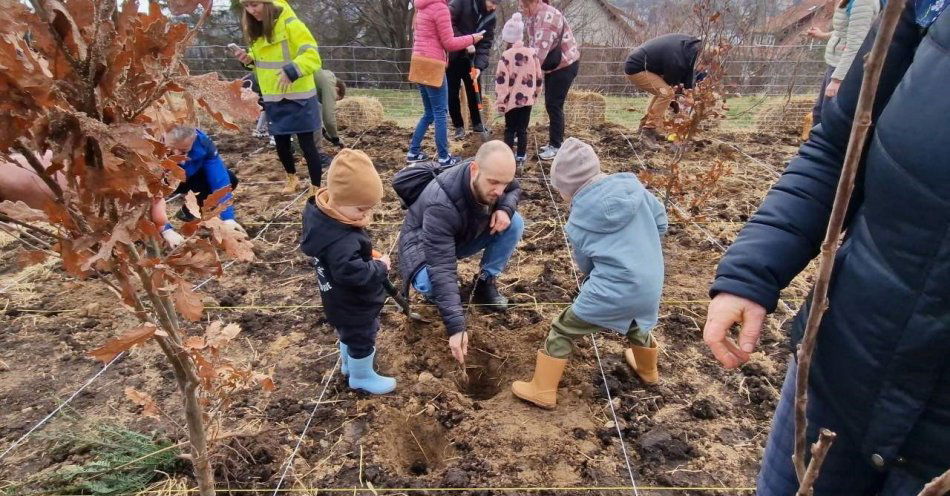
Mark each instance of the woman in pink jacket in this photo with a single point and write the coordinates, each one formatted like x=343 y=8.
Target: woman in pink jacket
x=433 y=37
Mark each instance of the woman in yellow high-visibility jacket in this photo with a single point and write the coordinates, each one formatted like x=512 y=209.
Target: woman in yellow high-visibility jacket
x=284 y=57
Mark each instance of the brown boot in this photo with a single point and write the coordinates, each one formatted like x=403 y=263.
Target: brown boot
x=643 y=361
x=542 y=390
x=313 y=190
x=291 y=185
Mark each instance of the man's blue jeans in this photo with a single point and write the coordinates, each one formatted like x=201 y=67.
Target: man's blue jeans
x=498 y=250
x=436 y=102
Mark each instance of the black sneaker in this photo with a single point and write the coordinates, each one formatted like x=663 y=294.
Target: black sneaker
x=485 y=293
x=184 y=215
x=449 y=161
x=416 y=157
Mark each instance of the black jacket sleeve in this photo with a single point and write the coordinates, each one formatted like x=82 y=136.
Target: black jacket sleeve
x=456 y=9
x=483 y=48
x=787 y=231
x=347 y=267
x=439 y=225
x=509 y=201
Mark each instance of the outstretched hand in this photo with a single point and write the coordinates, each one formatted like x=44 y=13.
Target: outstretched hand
x=724 y=311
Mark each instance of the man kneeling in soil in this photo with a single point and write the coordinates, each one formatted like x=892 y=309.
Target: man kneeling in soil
x=468 y=208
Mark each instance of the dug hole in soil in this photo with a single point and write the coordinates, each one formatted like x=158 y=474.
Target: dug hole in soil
x=701 y=426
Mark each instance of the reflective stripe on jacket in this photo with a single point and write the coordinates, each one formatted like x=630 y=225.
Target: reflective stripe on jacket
x=291 y=49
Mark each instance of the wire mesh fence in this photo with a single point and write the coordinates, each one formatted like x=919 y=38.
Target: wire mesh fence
x=769 y=87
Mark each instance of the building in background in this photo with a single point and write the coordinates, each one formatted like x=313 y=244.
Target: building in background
x=789 y=26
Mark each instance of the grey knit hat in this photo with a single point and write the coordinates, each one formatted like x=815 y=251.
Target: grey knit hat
x=575 y=166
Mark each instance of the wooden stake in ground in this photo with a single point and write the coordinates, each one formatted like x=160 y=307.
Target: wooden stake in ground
x=807 y=475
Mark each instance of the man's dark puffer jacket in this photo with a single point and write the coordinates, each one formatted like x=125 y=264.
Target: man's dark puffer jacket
x=470 y=17
x=883 y=357
x=445 y=216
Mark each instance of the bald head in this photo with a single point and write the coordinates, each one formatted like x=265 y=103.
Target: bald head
x=496 y=156
x=492 y=171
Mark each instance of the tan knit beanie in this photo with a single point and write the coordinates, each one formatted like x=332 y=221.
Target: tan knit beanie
x=353 y=181
x=575 y=165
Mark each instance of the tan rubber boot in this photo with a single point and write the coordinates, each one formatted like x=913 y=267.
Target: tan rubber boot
x=542 y=390
x=643 y=361
x=291 y=185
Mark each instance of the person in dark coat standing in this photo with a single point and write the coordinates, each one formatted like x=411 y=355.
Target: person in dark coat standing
x=350 y=277
x=880 y=376
x=658 y=67
x=469 y=17
x=469 y=208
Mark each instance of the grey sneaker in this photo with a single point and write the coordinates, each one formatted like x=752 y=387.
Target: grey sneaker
x=416 y=157
x=459 y=133
x=548 y=153
x=449 y=161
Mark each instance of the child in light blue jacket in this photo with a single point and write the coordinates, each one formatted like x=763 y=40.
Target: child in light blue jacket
x=614 y=229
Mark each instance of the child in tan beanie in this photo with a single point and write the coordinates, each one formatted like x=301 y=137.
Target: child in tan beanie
x=350 y=278
x=614 y=230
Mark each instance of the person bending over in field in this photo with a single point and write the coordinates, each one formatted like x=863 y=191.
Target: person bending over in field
x=205 y=173
x=614 y=230
x=657 y=67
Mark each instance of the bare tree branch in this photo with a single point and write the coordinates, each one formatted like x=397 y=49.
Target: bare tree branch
x=829 y=247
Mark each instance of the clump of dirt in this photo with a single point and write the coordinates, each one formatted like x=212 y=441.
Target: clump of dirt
x=248 y=461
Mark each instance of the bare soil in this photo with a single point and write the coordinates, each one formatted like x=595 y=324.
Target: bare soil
x=701 y=426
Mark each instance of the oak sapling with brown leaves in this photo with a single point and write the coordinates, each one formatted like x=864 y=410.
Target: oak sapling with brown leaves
x=88 y=89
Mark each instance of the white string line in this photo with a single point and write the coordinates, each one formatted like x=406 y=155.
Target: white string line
x=60 y=407
x=114 y=360
x=290 y=460
x=600 y=364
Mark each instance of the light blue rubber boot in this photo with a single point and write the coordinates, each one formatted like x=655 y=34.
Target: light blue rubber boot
x=362 y=376
x=344 y=360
